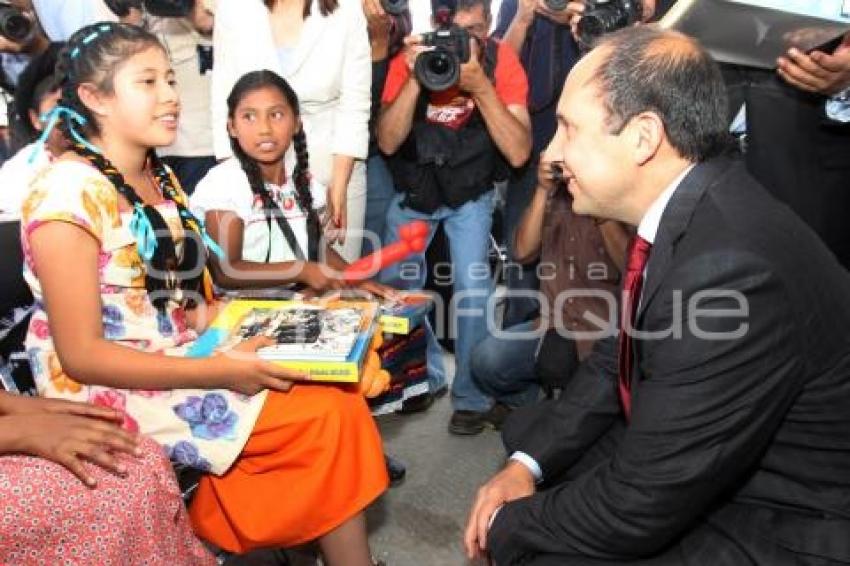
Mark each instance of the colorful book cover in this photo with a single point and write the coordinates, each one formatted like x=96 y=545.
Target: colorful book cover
x=404 y=314
x=326 y=340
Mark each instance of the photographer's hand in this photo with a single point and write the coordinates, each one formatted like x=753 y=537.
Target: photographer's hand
x=412 y=48
x=569 y=16
x=378 y=26
x=473 y=79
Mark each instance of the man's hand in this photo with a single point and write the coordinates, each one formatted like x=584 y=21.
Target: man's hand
x=412 y=48
x=473 y=79
x=525 y=10
x=569 y=16
x=547 y=177
x=817 y=72
x=378 y=26
x=513 y=482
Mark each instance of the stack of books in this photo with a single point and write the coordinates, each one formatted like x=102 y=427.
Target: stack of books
x=403 y=353
x=328 y=341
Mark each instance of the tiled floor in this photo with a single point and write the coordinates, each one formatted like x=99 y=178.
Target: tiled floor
x=420 y=522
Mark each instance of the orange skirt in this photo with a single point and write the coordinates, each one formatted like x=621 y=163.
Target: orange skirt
x=313 y=461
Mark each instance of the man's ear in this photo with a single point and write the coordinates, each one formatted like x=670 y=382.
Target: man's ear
x=647 y=133
x=93 y=99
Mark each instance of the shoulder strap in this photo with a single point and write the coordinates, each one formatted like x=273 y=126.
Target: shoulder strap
x=284 y=226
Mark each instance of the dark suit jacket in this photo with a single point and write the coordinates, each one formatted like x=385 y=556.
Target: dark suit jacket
x=738 y=451
x=796 y=152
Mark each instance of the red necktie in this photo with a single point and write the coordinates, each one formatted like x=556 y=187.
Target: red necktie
x=638 y=254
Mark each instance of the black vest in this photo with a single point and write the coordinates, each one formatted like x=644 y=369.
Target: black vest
x=437 y=165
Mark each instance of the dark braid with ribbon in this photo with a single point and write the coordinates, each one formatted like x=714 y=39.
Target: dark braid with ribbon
x=92 y=55
x=251 y=82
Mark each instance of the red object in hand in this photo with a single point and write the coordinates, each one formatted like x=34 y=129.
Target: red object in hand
x=412 y=239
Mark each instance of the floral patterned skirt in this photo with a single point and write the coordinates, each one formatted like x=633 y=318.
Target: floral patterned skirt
x=47 y=515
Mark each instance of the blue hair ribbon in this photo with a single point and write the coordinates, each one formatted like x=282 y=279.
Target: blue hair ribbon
x=52 y=117
x=211 y=244
x=75 y=52
x=143 y=232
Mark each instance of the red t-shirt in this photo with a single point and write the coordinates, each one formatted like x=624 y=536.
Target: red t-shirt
x=451 y=107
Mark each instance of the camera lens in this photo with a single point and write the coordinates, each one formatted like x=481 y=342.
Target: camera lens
x=438 y=64
x=394 y=7
x=607 y=17
x=14 y=25
x=437 y=70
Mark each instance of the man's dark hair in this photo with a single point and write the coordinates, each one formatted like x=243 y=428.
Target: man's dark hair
x=454 y=6
x=650 y=70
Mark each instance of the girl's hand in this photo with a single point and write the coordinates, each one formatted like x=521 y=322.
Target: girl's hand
x=335 y=221
x=320 y=278
x=24 y=405
x=378 y=289
x=68 y=439
x=245 y=373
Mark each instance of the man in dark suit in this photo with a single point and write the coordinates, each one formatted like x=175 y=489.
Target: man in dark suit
x=718 y=431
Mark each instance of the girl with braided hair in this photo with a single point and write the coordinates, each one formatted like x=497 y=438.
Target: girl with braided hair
x=115 y=260
x=266 y=219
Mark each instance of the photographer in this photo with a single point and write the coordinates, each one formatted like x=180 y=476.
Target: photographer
x=446 y=149
x=386 y=35
x=21 y=39
x=542 y=39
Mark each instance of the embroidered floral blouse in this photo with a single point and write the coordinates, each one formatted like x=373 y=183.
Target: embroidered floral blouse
x=206 y=429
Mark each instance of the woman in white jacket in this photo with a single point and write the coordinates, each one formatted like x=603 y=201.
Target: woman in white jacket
x=321 y=47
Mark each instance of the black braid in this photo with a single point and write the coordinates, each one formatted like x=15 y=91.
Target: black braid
x=83 y=59
x=252 y=81
x=255 y=179
x=302 y=181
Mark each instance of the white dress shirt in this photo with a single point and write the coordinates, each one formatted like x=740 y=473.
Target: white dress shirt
x=647 y=229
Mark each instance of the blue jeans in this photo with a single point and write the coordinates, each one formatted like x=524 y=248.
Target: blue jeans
x=504 y=366
x=379 y=193
x=468 y=232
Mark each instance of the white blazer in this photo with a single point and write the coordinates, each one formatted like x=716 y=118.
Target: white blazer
x=331 y=72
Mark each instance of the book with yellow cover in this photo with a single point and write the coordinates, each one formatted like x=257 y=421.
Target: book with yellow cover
x=402 y=315
x=327 y=340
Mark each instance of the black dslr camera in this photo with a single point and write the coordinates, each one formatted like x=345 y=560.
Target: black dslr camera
x=603 y=16
x=160 y=8
x=14 y=25
x=439 y=68
x=394 y=7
